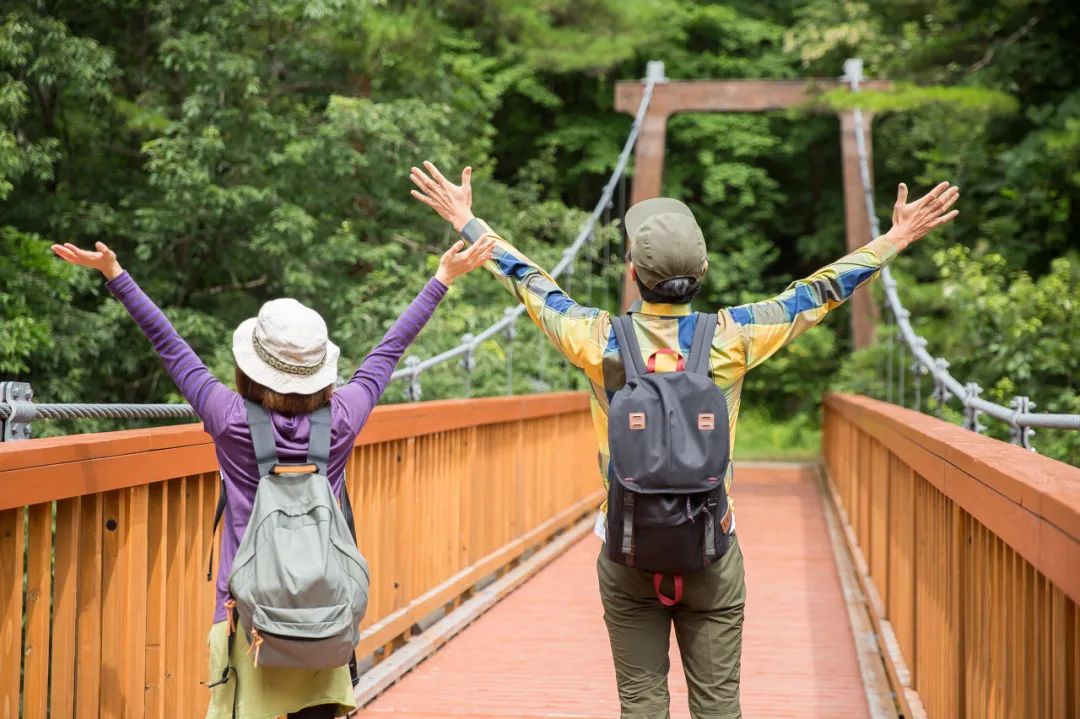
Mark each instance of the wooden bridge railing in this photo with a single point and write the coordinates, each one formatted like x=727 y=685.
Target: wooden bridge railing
x=969 y=550
x=104 y=541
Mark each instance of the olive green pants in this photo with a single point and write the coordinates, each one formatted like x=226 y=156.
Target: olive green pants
x=708 y=626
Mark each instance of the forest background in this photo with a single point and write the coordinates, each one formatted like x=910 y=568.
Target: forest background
x=233 y=152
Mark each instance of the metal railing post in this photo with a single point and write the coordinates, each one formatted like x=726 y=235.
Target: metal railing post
x=511 y=332
x=468 y=361
x=1019 y=434
x=941 y=392
x=413 y=391
x=971 y=414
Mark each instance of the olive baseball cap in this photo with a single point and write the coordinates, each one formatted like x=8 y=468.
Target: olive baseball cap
x=665 y=241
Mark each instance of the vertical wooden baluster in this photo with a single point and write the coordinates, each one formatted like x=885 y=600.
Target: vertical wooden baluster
x=156 y=617
x=135 y=513
x=65 y=598
x=12 y=550
x=113 y=604
x=38 y=602
x=88 y=628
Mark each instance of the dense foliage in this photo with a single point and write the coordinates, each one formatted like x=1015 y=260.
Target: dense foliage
x=235 y=151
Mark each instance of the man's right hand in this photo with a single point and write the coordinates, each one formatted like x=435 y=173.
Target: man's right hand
x=452 y=202
x=913 y=221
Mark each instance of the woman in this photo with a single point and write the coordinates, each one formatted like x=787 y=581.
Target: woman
x=286 y=362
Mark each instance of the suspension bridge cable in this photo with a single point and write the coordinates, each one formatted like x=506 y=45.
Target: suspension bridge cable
x=1018 y=416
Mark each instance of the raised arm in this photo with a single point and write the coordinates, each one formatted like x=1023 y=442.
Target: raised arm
x=578 y=332
x=769 y=325
x=209 y=397
x=358 y=398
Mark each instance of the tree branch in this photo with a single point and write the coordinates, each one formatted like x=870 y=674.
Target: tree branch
x=988 y=56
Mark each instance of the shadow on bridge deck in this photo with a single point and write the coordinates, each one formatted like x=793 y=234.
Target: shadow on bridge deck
x=543 y=651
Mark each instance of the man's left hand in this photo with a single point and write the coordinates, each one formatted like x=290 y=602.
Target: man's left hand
x=452 y=202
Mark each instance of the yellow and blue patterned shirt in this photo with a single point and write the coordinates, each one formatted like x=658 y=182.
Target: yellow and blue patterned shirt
x=745 y=337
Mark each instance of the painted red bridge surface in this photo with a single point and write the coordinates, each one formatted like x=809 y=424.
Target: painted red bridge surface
x=543 y=651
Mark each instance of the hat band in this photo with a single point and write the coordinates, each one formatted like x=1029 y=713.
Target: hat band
x=277 y=364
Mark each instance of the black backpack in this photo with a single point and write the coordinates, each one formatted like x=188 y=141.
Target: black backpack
x=670 y=449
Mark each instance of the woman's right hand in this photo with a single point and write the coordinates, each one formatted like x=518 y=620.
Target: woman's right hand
x=456 y=262
x=104 y=260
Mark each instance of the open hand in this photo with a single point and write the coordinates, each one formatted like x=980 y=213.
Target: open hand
x=913 y=221
x=452 y=202
x=456 y=261
x=104 y=260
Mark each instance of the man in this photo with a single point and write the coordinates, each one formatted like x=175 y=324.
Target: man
x=667 y=260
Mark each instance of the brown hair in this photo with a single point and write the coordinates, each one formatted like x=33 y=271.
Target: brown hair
x=289 y=405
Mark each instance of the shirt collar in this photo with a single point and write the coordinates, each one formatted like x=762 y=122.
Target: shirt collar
x=664 y=310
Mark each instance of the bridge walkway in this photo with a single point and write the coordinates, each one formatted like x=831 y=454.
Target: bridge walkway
x=543 y=651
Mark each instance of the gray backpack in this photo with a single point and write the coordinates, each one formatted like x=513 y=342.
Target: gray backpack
x=299 y=583
x=670 y=450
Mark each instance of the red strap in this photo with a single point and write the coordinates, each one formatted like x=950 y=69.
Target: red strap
x=680 y=364
x=668 y=601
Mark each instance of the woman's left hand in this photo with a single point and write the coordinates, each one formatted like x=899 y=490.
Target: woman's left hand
x=456 y=262
x=104 y=260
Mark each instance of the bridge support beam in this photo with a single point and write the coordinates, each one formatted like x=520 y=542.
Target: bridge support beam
x=670 y=98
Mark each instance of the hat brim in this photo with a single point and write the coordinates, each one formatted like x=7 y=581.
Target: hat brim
x=248 y=360
x=642 y=211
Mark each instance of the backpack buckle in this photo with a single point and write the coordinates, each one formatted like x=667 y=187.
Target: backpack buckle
x=706 y=421
x=637 y=420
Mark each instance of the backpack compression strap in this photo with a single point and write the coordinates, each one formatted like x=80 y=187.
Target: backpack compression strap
x=629 y=348
x=701 y=345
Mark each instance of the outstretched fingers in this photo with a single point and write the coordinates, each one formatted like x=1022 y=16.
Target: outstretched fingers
x=454 y=249
x=434 y=172
x=948 y=217
x=482 y=251
x=71 y=253
x=421 y=180
x=934 y=194
x=947 y=199
x=423 y=198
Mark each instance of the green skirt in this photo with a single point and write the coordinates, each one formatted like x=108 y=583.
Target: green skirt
x=270 y=692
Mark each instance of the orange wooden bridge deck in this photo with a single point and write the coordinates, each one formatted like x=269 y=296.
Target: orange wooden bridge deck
x=543 y=651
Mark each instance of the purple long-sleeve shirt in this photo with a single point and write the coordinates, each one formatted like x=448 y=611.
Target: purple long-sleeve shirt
x=224 y=413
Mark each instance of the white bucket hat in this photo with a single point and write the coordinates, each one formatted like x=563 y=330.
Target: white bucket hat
x=286 y=348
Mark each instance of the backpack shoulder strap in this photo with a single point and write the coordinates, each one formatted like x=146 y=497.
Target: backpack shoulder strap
x=629 y=348
x=262 y=436
x=701 y=346
x=319 y=442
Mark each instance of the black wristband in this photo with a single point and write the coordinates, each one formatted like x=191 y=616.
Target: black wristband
x=473 y=231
